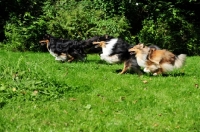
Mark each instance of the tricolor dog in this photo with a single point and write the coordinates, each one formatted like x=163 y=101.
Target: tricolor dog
x=64 y=50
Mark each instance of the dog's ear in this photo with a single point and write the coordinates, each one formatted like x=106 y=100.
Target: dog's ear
x=106 y=36
x=141 y=45
x=151 y=50
x=46 y=36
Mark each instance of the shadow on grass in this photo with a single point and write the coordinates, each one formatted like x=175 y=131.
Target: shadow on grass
x=166 y=75
x=148 y=74
x=85 y=61
x=173 y=74
x=127 y=72
x=2 y=104
x=101 y=62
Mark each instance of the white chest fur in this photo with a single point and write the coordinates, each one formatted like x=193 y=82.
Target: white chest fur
x=52 y=53
x=141 y=60
x=59 y=58
x=107 y=50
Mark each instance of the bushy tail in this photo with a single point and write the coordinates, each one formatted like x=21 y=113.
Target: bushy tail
x=180 y=60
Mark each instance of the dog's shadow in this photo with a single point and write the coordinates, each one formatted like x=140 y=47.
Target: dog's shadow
x=173 y=74
x=151 y=75
x=166 y=74
x=128 y=72
x=101 y=62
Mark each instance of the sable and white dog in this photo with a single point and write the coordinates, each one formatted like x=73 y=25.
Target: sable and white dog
x=157 y=61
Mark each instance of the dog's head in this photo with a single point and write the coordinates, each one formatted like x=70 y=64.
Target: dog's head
x=44 y=42
x=151 y=50
x=136 y=49
x=101 y=44
x=48 y=40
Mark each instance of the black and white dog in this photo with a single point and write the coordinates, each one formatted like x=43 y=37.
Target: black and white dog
x=62 y=49
x=115 y=50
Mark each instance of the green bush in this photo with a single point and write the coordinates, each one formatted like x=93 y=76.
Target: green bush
x=170 y=30
x=23 y=35
x=79 y=20
x=66 y=19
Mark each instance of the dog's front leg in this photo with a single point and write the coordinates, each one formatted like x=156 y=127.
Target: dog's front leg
x=125 y=68
x=71 y=58
x=147 y=70
x=158 y=72
x=102 y=56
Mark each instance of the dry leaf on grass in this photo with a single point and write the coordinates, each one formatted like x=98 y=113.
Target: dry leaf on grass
x=145 y=81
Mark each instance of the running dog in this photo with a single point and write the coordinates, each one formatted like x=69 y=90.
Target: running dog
x=62 y=49
x=157 y=61
x=116 y=51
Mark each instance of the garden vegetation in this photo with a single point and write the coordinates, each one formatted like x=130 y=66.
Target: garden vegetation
x=173 y=25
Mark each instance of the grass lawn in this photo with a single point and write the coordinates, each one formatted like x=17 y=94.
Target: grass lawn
x=39 y=94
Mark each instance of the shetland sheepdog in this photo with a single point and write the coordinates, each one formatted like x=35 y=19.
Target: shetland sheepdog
x=116 y=51
x=157 y=61
x=62 y=49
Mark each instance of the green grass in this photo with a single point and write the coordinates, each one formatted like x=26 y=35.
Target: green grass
x=41 y=95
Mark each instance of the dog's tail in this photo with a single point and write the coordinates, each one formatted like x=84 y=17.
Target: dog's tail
x=180 y=60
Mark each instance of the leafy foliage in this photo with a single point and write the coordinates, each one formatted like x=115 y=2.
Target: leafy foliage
x=170 y=29
x=67 y=19
x=78 y=20
x=24 y=35
x=169 y=24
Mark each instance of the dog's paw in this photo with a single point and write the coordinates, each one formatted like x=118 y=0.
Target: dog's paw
x=102 y=56
x=155 y=74
x=146 y=70
x=58 y=59
x=120 y=73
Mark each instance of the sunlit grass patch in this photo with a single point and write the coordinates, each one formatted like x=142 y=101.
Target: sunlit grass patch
x=40 y=94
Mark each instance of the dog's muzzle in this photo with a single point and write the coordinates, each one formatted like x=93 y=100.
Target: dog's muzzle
x=132 y=53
